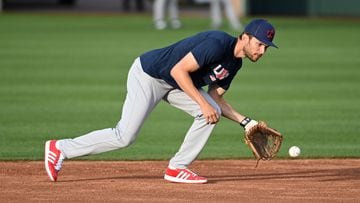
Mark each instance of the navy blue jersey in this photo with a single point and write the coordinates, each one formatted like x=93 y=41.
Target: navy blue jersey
x=213 y=51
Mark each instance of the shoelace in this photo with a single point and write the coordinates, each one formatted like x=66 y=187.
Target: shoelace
x=192 y=173
x=59 y=163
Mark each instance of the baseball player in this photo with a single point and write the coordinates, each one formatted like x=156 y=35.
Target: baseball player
x=177 y=75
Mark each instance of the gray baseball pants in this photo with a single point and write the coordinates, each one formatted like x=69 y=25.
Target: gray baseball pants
x=143 y=94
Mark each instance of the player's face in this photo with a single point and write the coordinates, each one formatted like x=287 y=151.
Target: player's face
x=254 y=49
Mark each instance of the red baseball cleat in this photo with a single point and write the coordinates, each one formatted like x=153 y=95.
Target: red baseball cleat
x=183 y=176
x=53 y=159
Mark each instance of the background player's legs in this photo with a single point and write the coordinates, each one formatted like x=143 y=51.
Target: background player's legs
x=143 y=94
x=159 y=14
x=231 y=15
x=215 y=14
x=198 y=133
x=174 y=14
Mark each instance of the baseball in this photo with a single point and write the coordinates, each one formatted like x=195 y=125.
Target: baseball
x=294 y=151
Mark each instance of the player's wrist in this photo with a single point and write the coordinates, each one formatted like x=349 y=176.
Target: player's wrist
x=247 y=123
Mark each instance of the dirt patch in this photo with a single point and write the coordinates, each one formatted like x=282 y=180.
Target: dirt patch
x=319 y=180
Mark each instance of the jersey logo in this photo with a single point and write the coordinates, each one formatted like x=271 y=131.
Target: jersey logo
x=220 y=73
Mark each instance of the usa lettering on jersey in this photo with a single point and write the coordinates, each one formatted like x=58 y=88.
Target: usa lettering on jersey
x=219 y=73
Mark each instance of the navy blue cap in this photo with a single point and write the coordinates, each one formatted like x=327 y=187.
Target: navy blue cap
x=262 y=30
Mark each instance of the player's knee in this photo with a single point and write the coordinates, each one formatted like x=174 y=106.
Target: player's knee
x=126 y=140
x=125 y=137
x=198 y=113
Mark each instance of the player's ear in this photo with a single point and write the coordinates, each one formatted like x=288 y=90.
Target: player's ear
x=241 y=36
x=245 y=37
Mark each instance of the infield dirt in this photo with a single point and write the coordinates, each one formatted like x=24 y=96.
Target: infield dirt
x=299 y=180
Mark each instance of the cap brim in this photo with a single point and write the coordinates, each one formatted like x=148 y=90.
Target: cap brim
x=270 y=44
x=267 y=42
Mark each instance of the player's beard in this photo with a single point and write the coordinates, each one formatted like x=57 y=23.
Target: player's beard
x=251 y=57
x=250 y=54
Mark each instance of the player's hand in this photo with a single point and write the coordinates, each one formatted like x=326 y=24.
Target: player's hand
x=210 y=114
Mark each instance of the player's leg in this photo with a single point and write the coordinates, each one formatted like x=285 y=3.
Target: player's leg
x=143 y=93
x=215 y=14
x=198 y=133
x=159 y=14
x=174 y=14
x=195 y=138
x=231 y=15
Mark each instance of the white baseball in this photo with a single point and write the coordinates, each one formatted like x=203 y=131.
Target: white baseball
x=294 y=151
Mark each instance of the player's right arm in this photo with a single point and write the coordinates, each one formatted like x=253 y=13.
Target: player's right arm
x=181 y=74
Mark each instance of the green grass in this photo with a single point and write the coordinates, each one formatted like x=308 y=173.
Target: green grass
x=63 y=75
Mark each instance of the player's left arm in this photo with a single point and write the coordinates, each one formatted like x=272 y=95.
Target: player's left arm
x=216 y=92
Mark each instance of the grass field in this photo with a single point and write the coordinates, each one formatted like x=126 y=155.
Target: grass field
x=63 y=75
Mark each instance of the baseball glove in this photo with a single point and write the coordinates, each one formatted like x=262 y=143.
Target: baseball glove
x=264 y=141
